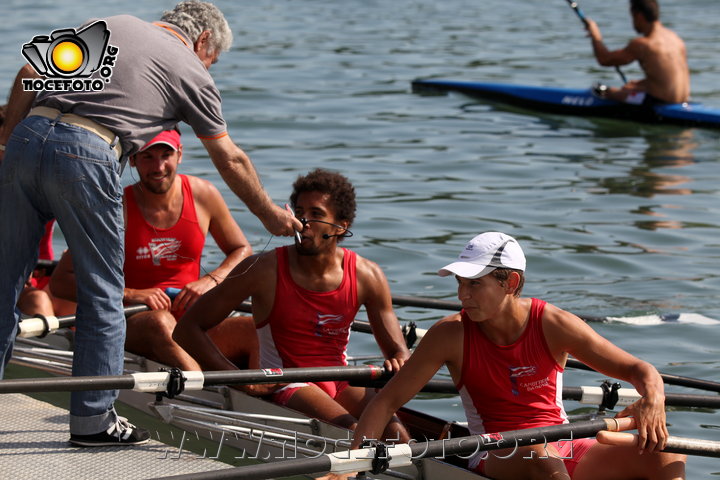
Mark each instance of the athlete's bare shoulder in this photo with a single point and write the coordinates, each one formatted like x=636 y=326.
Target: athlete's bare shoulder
x=367 y=270
x=448 y=327
x=200 y=186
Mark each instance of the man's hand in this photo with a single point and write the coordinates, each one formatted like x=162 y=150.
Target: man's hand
x=593 y=30
x=191 y=292
x=154 y=298
x=282 y=222
x=394 y=364
x=649 y=414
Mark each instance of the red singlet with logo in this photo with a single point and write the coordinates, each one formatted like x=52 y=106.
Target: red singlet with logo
x=307 y=328
x=161 y=258
x=510 y=387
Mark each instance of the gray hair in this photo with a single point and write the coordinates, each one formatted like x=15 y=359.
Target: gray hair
x=195 y=17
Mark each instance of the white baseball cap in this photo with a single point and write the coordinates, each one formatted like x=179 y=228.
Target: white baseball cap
x=485 y=253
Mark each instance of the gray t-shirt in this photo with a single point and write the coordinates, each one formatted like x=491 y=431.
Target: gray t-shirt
x=157 y=81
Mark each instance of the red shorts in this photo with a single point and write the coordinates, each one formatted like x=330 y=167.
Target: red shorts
x=571 y=452
x=333 y=389
x=40 y=282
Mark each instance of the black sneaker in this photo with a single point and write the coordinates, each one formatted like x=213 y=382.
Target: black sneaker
x=120 y=433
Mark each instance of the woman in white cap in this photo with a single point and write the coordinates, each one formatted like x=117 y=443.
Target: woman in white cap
x=506 y=354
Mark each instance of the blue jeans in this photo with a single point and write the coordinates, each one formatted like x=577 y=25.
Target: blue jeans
x=55 y=170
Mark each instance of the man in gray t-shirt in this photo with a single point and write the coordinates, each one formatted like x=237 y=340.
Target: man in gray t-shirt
x=60 y=154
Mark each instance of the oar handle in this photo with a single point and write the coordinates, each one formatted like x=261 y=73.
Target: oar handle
x=40 y=325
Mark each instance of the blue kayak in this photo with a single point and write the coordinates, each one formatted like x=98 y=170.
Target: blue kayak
x=576 y=101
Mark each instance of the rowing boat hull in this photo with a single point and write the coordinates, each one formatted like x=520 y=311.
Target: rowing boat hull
x=575 y=101
x=253 y=427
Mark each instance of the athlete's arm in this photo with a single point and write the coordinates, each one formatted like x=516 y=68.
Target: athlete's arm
x=213 y=212
x=62 y=280
x=214 y=307
x=18 y=106
x=434 y=350
x=565 y=332
x=237 y=170
x=373 y=288
x=610 y=58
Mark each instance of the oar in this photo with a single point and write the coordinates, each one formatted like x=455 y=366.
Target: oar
x=370 y=375
x=587 y=395
x=193 y=380
x=627 y=396
x=402 y=455
x=421 y=302
x=39 y=326
x=576 y=8
x=686 y=446
x=667 y=378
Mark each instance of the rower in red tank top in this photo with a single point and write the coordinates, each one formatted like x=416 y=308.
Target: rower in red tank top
x=307 y=328
x=161 y=258
x=510 y=387
x=304 y=298
x=506 y=355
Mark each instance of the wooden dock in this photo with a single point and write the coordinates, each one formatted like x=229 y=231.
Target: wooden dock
x=34 y=445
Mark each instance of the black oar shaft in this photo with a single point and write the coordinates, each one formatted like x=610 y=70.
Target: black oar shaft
x=422 y=302
x=155 y=382
x=285 y=468
x=667 y=378
x=67 y=384
x=437 y=448
x=290 y=375
x=69 y=320
x=568 y=393
x=510 y=439
x=671 y=399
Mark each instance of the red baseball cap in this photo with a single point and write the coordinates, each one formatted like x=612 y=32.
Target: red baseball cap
x=171 y=138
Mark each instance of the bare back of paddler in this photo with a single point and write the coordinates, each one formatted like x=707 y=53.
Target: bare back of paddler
x=660 y=52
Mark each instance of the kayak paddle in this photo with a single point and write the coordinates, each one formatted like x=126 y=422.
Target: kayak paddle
x=576 y=8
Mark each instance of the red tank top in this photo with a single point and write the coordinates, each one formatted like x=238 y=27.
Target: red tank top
x=46 y=247
x=510 y=387
x=307 y=328
x=45 y=252
x=161 y=258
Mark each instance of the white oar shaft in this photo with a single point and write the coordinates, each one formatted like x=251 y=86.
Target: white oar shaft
x=158 y=381
x=596 y=396
x=37 y=326
x=361 y=460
